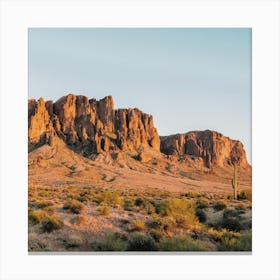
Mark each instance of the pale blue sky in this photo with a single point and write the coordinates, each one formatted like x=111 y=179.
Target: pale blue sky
x=187 y=78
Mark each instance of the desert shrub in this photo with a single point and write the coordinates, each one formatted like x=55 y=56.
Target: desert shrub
x=180 y=243
x=164 y=223
x=218 y=235
x=202 y=203
x=104 y=210
x=161 y=208
x=201 y=215
x=140 y=242
x=73 y=206
x=43 y=193
x=183 y=212
x=156 y=234
x=50 y=210
x=44 y=204
x=127 y=205
x=150 y=208
x=232 y=224
x=245 y=194
x=36 y=216
x=246 y=241
x=139 y=201
x=82 y=199
x=236 y=243
x=219 y=205
x=113 y=241
x=51 y=223
x=230 y=213
x=138 y=224
x=110 y=197
x=73 y=242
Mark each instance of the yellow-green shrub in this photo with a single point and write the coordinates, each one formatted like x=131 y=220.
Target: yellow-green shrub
x=73 y=206
x=138 y=224
x=104 y=210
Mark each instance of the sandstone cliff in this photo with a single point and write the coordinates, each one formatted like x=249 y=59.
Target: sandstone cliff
x=214 y=148
x=90 y=126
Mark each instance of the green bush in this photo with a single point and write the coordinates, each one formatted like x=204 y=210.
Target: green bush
x=232 y=224
x=113 y=241
x=73 y=206
x=51 y=223
x=140 y=242
x=236 y=243
x=127 y=205
x=220 y=205
x=156 y=234
x=180 y=243
x=161 y=208
x=139 y=201
x=82 y=199
x=104 y=210
x=201 y=215
x=230 y=213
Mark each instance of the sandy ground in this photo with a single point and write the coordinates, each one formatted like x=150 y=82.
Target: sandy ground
x=58 y=165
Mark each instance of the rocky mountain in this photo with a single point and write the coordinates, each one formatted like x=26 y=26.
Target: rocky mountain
x=90 y=126
x=214 y=148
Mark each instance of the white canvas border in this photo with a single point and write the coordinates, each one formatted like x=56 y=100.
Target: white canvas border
x=261 y=16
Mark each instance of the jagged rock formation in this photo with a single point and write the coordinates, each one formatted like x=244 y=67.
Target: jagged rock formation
x=90 y=126
x=213 y=147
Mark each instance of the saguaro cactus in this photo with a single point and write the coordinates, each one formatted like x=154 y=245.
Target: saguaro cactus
x=235 y=183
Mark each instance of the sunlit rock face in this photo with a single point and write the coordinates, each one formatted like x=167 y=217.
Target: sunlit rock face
x=90 y=125
x=213 y=147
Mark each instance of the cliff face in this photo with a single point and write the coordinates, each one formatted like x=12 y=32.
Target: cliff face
x=213 y=147
x=91 y=125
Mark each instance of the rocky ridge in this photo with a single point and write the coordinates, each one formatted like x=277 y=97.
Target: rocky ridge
x=91 y=126
x=213 y=147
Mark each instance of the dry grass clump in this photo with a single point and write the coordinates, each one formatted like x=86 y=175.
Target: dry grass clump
x=112 y=198
x=138 y=225
x=51 y=223
x=73 y=206
x=36 y=216
x=104 y=210
x=44 y=204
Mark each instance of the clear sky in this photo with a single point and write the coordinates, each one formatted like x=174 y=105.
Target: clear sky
x=187 y=78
